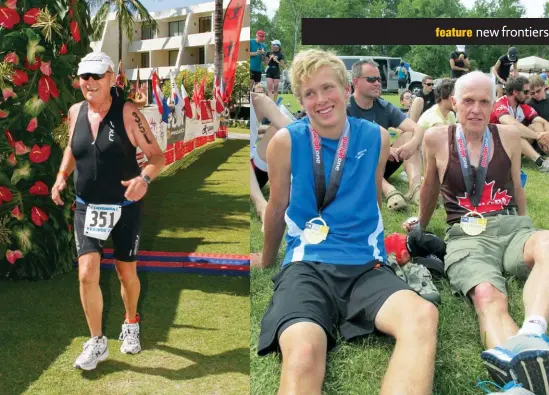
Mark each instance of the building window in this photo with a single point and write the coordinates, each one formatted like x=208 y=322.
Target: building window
x=147 y=32
x=173 y=57
x=201 y=56
x=145 y=60
x=205 y=24
x=176 y=28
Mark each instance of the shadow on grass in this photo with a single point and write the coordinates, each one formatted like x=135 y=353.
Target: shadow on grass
x=232 y=361
x=39 y=320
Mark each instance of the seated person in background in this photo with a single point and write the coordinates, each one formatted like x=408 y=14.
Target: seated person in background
x=406 y=102
x=365 y=103
x=441 y=113
x=511 y=109
x=490 y=233
x=425 y=100
x=334 y=274
x=262 y=108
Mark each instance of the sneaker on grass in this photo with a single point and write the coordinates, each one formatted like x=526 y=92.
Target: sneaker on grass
x=524 y=359
x=130 y=339
x=95 y=350
x=511 y=388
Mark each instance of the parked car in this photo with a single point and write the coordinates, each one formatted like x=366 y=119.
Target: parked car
x=387 y=67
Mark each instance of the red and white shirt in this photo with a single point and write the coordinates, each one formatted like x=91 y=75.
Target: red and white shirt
x=524 y=113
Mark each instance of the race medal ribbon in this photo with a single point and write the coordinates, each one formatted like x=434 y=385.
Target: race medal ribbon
x=101 y=219
x=315 y=232
x=473 y=223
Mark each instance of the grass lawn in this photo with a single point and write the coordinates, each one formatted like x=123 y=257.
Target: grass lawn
x=240 y=130
x=195 y=329
x=358 y=368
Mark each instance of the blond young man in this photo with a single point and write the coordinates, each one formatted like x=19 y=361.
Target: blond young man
x=325 y=172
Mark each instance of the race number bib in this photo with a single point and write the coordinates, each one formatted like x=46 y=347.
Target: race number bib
x=101 y=219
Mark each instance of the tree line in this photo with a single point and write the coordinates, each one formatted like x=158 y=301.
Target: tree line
x=285 y=26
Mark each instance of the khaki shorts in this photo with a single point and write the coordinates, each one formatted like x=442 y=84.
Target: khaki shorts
x=471 y=260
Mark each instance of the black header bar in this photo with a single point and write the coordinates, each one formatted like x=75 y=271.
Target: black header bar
x=428 y=31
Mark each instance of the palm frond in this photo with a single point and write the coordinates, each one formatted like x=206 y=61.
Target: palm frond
x=99 y=21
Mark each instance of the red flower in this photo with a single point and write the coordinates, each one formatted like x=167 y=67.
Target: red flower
x=63 y=49
x=11 y=58
x=30 y=16
x=39 y=188
x=45 y=68
x=16 y=213
x=8 y=17
x=47 y=87
x=38 y=216
x=12 y=4
x=9 y=137
x=4 y=114
x=11 y=159
x=74 y=31
x=12 y=256
x=70 y=227
x=71 y=13
x=20 y=148
x=35 y=65
x=19 y=77
x=39 y=155
x=5 y=195
x=7 y=92
x=32 y=125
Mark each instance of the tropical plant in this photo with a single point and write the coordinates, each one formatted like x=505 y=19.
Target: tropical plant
x=126 y=12
x=41 y=43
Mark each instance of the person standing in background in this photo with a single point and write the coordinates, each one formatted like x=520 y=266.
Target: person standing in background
x=459 y=62
x=257 y=53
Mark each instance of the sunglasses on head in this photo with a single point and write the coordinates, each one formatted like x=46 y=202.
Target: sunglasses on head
x=429 y=84
x=96 y=77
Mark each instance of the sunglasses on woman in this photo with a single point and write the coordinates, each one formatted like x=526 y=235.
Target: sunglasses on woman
x=96 y=77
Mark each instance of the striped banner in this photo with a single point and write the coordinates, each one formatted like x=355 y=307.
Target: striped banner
x=180 y=262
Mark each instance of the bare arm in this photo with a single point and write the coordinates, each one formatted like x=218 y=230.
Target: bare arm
x=512 y=143
x=382 y=161
x=266 y=108
x=141 y=136
x=430 y=187
x=524 y=131
x=408 y=149
x=416 y=109
x=496 y=71
x=278 y=160
x=543 y=122
x=466 y=63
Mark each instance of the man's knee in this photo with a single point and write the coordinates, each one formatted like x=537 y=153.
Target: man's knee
x=303 y=347
x=88 y=269
x=126 y=272
x=537 y=246
x=423 y=320
x=487 y=297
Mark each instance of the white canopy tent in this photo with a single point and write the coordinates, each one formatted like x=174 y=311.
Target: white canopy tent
x=532 y=64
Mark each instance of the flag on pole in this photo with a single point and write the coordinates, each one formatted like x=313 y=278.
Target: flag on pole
x=196 y=100
x=218 y=97
x=176 y=96
x=157 y=92
x=232 y=27
x=203 y=102
x=186 y=102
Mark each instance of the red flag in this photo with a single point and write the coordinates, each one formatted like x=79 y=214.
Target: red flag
x=196 y=100
x=186 y=102
x=232 y=26
x=219 y=107
x=204 y=114
x=157 y=92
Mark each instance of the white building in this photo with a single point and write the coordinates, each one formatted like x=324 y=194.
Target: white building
x=185 y=39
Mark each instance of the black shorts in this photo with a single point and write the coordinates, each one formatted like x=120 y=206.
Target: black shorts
x=255 y=76
x=390 y=168
x=262 y=176
x=344 y=297
x=125 y=235
x=402 y=83
x=273 y=73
